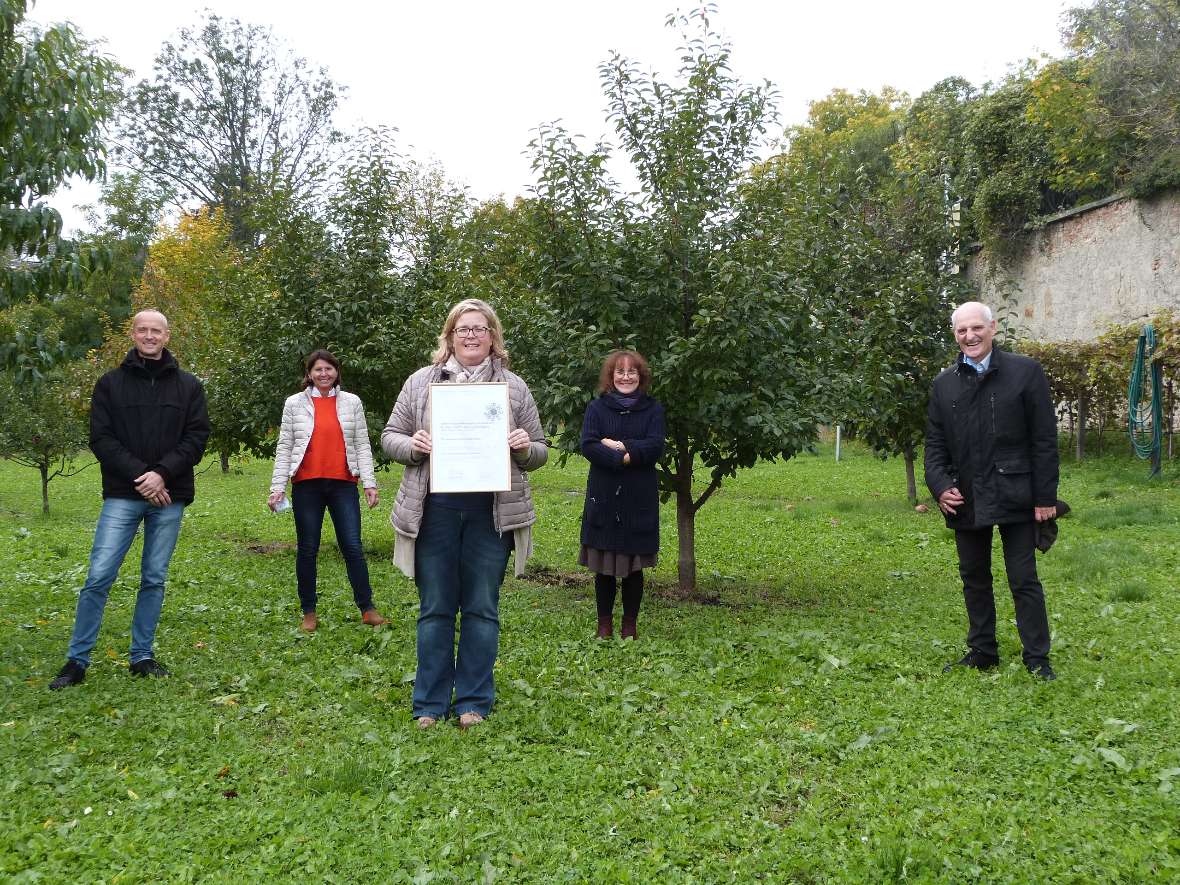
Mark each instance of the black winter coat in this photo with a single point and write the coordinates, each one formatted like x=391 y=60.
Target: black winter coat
x=622 y=509
x=994 y=436
x=139 y=423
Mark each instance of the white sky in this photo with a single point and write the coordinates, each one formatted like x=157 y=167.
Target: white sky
x=467 y=81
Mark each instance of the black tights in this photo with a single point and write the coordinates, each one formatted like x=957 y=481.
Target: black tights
x=604 y=594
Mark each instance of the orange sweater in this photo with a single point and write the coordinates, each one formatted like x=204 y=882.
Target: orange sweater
x=325 y=457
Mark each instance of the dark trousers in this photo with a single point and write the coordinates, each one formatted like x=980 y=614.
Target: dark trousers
x=1020 y=564
x=309 y=499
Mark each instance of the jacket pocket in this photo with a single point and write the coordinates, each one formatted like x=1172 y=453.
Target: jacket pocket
x=596 y=513
x=645 y=519
x=1014 y=483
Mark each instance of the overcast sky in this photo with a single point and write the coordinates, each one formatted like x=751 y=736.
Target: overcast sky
x=466 y=83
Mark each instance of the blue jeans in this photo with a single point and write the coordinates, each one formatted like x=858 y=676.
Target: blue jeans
x=117 y=524
x=459 y=562
x=309 y=499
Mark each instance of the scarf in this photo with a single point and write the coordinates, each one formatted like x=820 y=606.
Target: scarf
x=461 y=373
x=625 y=402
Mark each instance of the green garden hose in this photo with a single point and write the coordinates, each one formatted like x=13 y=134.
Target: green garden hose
x=1145 y=420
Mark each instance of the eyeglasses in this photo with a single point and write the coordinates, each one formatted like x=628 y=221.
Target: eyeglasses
x=626 y=373
x=471 y=331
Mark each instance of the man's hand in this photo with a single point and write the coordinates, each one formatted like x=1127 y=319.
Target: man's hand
x=950 y=500
x=153 y=488
x=372 y=496
x=518 y=440
x=1044 y=514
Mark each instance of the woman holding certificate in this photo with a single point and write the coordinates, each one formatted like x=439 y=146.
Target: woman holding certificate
x=622 y=438
x=463 y=505
x=323 y=449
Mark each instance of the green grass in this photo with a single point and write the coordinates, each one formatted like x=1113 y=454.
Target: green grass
x=798 y=730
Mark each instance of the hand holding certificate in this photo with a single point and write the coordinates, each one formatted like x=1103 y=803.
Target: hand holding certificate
x=469 y=438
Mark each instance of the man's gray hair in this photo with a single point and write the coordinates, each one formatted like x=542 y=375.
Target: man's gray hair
x=973 y=305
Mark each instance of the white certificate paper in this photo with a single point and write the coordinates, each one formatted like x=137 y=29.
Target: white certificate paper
x=469 y=438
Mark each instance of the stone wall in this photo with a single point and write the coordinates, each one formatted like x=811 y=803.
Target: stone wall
x=1115 y=261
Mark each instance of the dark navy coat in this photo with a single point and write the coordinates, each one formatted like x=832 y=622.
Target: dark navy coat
x=622 y=509
x=994 y=436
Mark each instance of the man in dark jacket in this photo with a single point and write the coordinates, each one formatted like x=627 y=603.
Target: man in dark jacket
x=991 y=460
x=148 y=428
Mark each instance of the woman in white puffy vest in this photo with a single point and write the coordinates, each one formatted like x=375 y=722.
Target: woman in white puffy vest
x=323 y=449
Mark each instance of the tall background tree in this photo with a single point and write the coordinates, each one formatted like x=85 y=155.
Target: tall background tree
x=1130 y=50
x=882 y=242
x=679 y=270
x=229 y=116
x=56 y=91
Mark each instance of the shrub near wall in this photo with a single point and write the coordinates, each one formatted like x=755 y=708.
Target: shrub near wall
x=1089 y=378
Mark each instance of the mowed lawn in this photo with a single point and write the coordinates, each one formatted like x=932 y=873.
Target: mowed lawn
x=789 y=723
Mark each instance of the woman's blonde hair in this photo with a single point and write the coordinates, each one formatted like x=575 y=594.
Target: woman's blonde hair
x=444 y=350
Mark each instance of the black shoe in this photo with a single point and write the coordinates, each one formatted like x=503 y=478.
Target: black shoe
x=1042 y=670
x=71 y=674
x=975 y=661
x=149 y=667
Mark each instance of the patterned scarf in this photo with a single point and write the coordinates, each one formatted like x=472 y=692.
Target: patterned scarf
x=461 y=373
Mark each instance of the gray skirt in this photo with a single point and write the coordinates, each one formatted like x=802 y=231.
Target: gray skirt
x=609 y=562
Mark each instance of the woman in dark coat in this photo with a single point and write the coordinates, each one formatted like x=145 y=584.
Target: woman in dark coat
x=622 y=438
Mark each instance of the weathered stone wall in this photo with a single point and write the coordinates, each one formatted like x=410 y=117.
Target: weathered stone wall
x=1116 y=261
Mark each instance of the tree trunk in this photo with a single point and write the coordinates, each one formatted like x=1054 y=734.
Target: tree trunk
x=44 y=467
x=1080 y=450
x=224 y=462
x=686 y=537
x=686 y=527
x=911 y=484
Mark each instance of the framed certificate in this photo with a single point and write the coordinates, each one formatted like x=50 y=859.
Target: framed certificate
x=469 y=438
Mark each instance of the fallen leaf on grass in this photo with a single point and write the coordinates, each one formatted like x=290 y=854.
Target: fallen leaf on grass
x=1114 y=757
x=226 y=700
x=230 y=794
x=223 y=771
x=131 y=794
x=922 y=508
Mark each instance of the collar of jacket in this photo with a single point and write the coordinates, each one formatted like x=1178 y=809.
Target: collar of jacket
x=997 y=360
x=135 y=363
x=442 y=373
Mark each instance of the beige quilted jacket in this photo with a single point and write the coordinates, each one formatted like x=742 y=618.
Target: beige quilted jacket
x=295 y=433
x=512 y=510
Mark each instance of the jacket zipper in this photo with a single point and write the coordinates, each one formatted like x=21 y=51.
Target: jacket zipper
x=993 y=414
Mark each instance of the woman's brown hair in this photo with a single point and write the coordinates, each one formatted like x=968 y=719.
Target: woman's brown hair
x=606 y=378
x=314 y=357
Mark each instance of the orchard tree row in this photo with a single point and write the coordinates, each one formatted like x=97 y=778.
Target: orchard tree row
x=772 y=296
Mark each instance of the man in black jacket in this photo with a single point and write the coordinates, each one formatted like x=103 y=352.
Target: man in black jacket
x=991 y=460
x=148 y=428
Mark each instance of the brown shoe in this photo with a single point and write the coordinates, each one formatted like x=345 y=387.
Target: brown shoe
x=627 y=629
x=373 y=618
x=310 y=622
x=606 y=628
x=468 y=719
x=425 y=722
